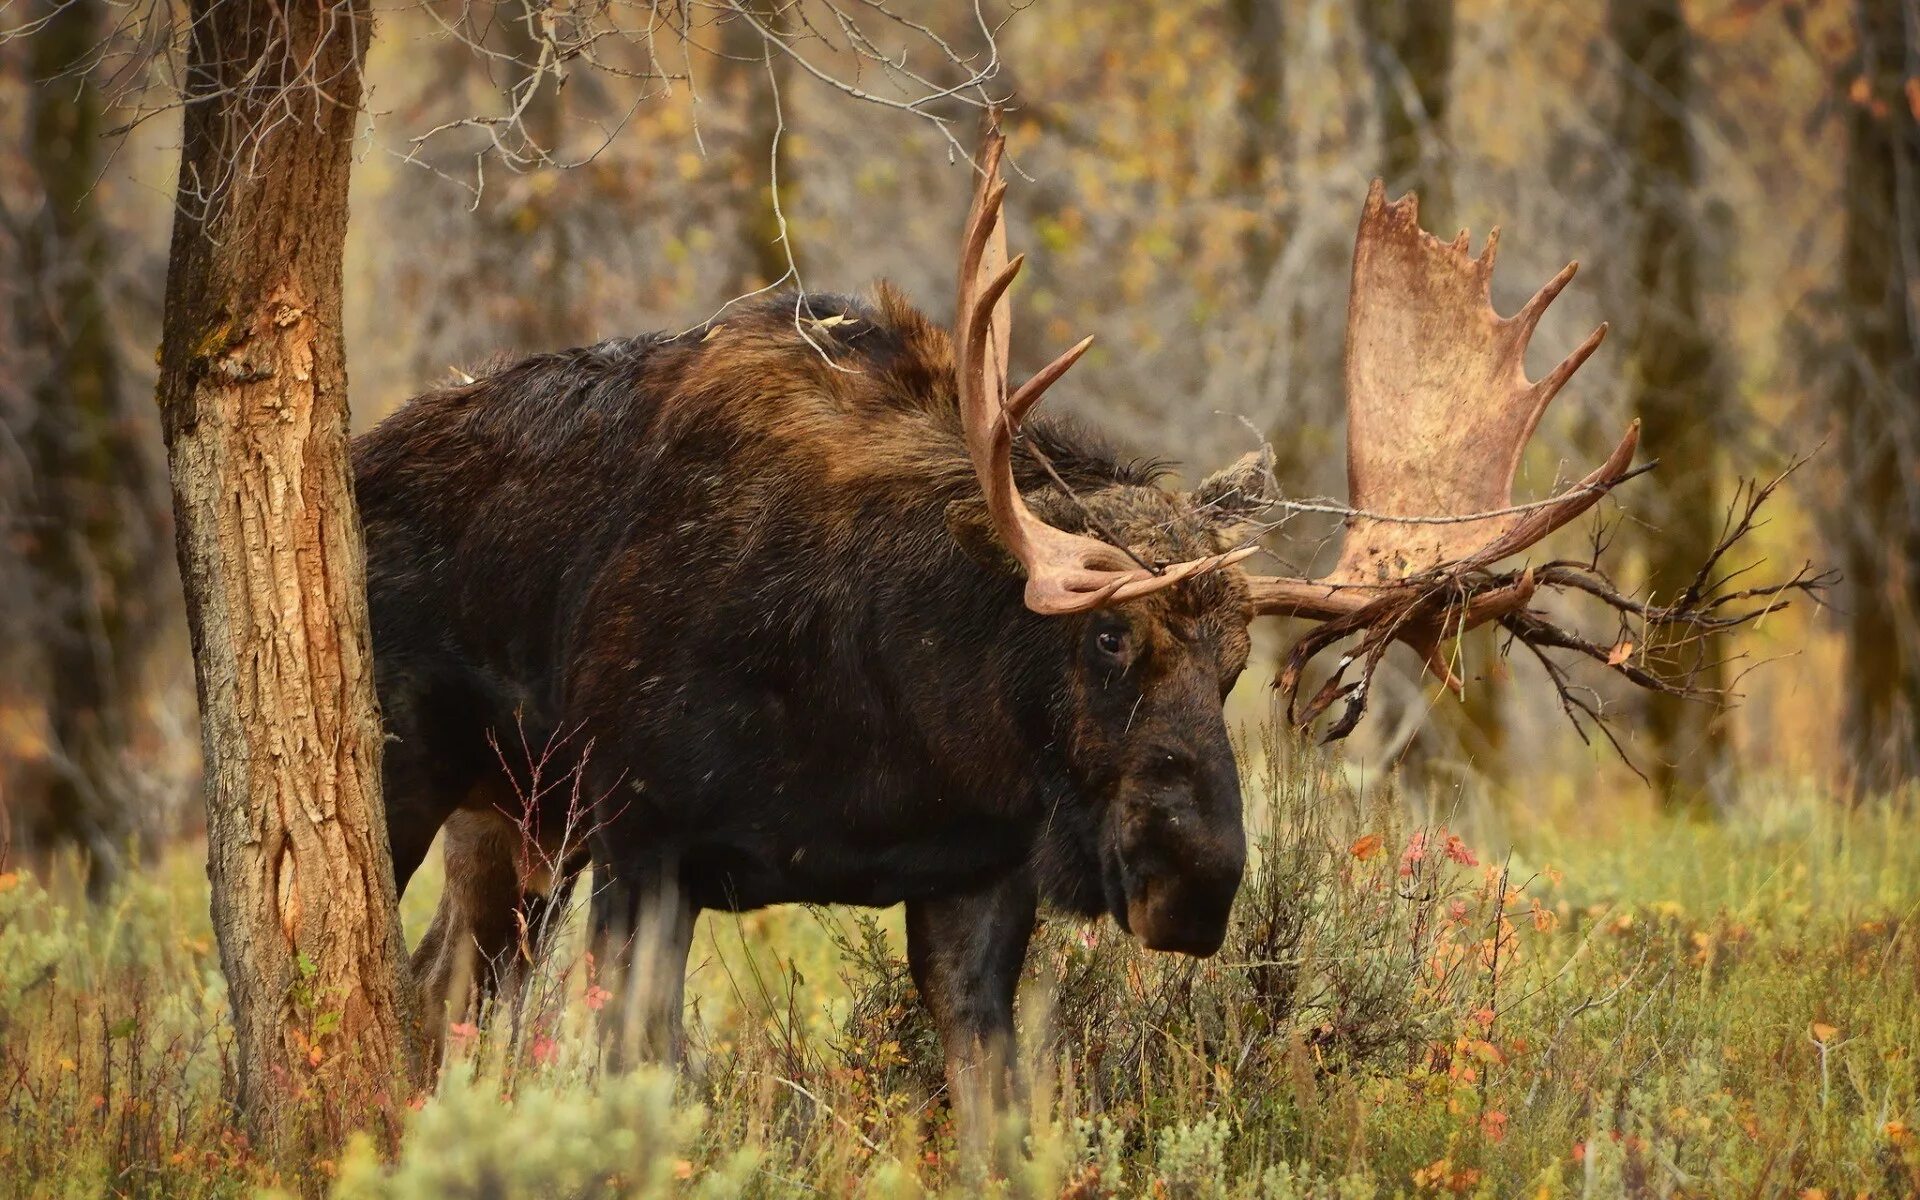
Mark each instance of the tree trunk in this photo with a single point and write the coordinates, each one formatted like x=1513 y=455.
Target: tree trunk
x=1878 y=403
x=755 y=81
x=1670 y=367
x=525 y=231
x=1409 y=50
x=1260 y=104
x=254 y=403
x=94 y=517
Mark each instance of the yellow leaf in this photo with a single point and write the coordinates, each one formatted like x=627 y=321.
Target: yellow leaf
x=713 y=333
x=1620 y=653
x=9 y=881
x=1823 y=1033
x=22 y=736
x=1366 y=847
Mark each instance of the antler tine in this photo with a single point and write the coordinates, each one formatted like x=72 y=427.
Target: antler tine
x=1066 y=572
x=1536 y=307
x=979 y=331
x=1030 y=391
x=984 y=214
x=982 y=227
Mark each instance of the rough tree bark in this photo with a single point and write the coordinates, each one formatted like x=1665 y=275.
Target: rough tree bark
x=1878 y=402
x=94 y=529
x=1670 y=363
x=254 y=404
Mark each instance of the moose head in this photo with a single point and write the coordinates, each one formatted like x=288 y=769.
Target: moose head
x=1151 y=591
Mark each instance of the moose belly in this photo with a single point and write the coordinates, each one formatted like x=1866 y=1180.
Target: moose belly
x=740 y=874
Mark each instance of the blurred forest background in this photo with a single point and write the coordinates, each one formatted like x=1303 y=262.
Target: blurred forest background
x=1740 y=180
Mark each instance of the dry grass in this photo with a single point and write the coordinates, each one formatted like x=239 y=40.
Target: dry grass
x=1627 y=1006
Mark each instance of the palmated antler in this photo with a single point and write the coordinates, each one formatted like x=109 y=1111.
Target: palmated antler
x=1439 y=413
x=1066 y=572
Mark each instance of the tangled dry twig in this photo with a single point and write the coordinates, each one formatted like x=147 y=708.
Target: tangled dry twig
x=1665 y=648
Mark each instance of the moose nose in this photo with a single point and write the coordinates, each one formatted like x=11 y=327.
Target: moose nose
x=1181 y=847
x=1175 y=915
x=1181 y=892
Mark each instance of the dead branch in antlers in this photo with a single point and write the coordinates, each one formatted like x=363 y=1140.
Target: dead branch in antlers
x=1439 y=414
x=1658 y=647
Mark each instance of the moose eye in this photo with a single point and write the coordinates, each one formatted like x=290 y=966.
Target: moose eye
x=1111 y=642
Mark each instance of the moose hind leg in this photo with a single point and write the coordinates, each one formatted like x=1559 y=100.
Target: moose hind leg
x=500 y=902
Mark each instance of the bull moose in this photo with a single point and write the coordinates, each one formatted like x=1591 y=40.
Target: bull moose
x=840 y=624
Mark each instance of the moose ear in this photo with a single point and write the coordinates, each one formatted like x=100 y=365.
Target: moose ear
x=971 y=526
x=1232 y=499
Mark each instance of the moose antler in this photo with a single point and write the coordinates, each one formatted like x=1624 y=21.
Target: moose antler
x=1439 y=411
x=1066 y=572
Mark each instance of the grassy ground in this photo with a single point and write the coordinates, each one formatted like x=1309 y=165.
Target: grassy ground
x=1558 y=999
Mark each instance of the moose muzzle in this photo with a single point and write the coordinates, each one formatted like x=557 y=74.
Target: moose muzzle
x=1182 y=849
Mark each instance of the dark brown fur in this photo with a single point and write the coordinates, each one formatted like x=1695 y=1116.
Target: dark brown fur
x=757 y=579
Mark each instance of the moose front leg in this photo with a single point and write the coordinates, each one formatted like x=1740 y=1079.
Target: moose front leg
x=966 y=953
x=642 y=931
